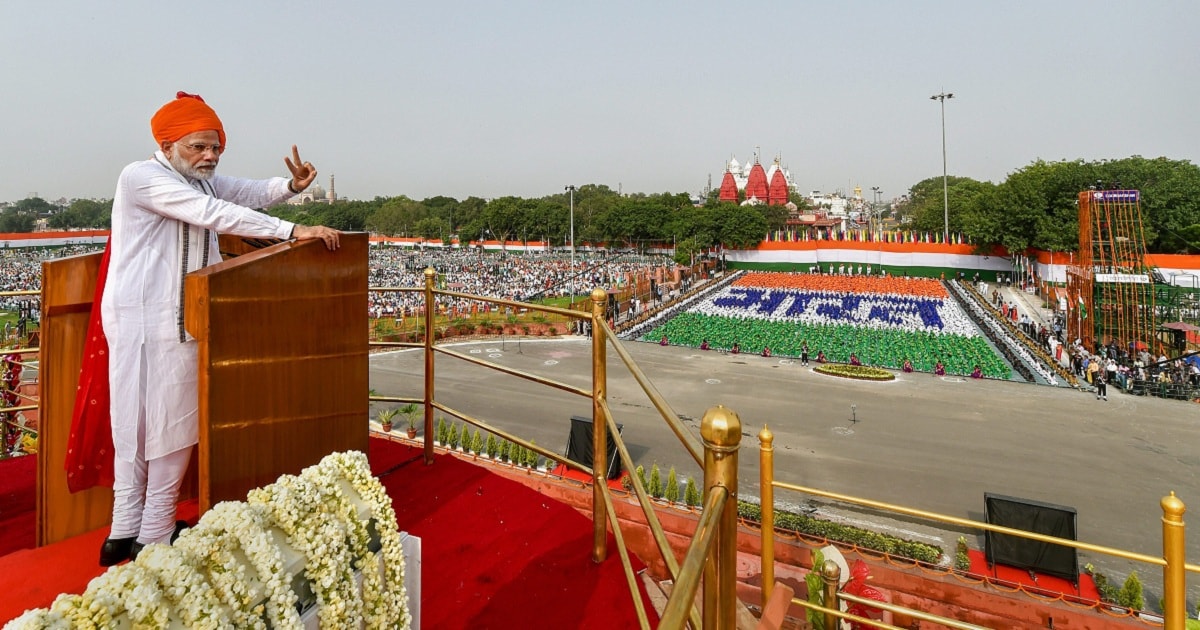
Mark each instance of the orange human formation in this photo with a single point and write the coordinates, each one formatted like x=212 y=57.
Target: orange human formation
x=894 y=285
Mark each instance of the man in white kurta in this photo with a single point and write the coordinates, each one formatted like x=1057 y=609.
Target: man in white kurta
x=166 y=214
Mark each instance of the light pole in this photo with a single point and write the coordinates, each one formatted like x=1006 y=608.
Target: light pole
x=945 y=199
x=571 y=189
x=874 y=208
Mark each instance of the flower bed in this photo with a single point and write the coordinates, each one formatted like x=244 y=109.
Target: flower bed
x=857 y=372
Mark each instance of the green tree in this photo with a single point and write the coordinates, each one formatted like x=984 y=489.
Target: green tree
x=691 y=494
x=476 y=442
x=686 y=251
x=1131 y=595
x=671 y=493
x=776 y=216
x=656 y=487
x=502 y=217
x=431 y=228
x=442 y=208
x=398 y=215
x=12 y=220
x=83 y=213
x=925 y=207
x=742 y=227
x=34 y=206
x=388 y=220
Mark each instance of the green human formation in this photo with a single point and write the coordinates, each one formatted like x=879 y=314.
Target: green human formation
x=886 y=348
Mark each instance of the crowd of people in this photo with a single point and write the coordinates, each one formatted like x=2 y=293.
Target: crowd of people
x=1136 y=369
x=487 y=273
x=21 y=270
x=521 y=277
x=1131 y=367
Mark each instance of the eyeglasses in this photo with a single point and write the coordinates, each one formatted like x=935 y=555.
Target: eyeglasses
x=201 y=148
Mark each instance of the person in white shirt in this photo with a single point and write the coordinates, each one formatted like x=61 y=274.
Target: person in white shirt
x=166 y=214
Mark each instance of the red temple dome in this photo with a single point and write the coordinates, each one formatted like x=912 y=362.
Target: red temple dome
x=756 y=184
x=778 y=194
x=729 y=189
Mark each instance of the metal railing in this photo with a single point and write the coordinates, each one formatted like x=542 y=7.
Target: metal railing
x=8 y=421
x=713 y=551
x=1173 y=560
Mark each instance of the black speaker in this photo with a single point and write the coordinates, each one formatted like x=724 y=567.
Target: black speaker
x=1031 y=516
x=579 y=445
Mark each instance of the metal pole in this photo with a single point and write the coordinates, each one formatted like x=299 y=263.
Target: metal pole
x=831 y=578
x=1174 y=580
x=721 y=432
x=766 y=490
x=599 y=427
x=572 y=192
x=430 y=307
x=945 y=186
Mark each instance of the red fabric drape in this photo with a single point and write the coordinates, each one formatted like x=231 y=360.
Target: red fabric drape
x=89 y=461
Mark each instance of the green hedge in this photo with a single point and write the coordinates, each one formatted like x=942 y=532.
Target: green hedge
x=836 y=532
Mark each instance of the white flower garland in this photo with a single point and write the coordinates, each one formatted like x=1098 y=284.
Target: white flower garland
x=384 y=608
x=204 y=576
x=297 y=506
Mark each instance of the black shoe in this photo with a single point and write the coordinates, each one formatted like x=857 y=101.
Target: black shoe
x=115 y=550
x=179 y=527
x=134 y=550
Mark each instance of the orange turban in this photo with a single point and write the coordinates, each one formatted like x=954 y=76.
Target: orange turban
x=188 y=113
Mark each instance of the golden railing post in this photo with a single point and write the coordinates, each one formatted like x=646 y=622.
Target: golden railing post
x=766 y=489
x=430 y=309
x=831 y=577
x=599 y=427
x=721 y=432
x=1174 y=581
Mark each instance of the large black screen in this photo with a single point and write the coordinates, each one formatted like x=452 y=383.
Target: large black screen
x=1032 y=516
x=579 y=445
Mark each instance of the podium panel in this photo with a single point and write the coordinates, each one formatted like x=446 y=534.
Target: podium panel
x=68 y=285
x=283 y=362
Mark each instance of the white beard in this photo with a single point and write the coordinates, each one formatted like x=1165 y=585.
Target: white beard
x=187 y=170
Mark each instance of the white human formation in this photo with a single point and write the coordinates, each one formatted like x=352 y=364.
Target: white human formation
x=825 y=308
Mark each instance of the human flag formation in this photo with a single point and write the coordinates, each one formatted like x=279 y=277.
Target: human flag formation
x=882 y=320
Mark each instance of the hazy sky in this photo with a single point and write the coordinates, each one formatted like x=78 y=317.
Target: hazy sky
x=523 y=98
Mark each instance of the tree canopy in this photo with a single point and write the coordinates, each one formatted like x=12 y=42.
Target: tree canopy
x=1035 y=206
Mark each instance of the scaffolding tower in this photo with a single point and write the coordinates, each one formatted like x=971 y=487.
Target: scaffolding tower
x=1111 y=290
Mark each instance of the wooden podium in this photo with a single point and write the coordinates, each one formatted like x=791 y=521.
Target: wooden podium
x=282 y=371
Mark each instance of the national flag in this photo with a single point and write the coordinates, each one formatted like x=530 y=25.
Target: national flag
x=1083 y=312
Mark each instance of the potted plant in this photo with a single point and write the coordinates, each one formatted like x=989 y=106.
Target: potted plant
x=385 y=418
x=409 y=412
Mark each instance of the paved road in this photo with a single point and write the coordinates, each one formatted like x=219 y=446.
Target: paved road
x=921 y=441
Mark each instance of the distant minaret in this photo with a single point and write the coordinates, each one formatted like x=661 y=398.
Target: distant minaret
x=332 y=194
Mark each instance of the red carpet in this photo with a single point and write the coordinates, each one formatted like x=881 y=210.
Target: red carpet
x=1043 y=585
x=18 y=498
x=496 y=554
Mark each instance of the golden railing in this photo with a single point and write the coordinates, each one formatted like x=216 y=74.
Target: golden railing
x=9 y=424
x=1173 y=560
x=712 y=554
